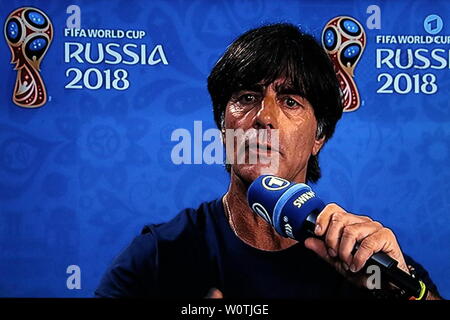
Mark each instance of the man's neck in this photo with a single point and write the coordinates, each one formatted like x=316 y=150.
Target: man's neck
x=247 y=225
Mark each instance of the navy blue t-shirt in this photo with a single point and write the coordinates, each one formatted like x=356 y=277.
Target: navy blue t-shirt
x=197 y=251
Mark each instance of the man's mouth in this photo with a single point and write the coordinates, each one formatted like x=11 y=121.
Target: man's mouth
x=257 y=147
x=254 y=153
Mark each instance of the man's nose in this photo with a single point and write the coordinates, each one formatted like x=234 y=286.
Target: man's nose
x=267 y=115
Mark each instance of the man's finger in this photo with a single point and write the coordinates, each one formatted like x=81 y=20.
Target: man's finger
x=370 y=245
x=338 y=222
x=325 y=217
x=352 y=234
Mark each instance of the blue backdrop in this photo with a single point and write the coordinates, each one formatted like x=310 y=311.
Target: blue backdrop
x=82 y=174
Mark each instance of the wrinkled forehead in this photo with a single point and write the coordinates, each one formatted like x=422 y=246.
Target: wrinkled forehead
x=281 y=85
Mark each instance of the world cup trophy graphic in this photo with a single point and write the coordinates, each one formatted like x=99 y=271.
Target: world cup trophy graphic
x=344 y=40
x=28 y=32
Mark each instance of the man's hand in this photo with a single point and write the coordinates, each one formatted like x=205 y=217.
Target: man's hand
x=341 y=231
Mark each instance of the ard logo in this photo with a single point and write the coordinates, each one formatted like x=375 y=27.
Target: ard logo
x=273 y=183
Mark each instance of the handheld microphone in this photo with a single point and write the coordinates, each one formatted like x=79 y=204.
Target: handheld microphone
x=292 y=210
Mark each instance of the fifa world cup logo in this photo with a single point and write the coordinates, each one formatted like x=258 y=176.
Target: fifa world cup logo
x=344 y=40
x=28 y=32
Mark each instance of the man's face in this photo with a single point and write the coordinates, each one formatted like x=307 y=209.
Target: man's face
x=277 y=107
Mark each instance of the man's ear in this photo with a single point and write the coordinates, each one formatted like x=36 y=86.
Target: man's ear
x=222 y=135
x=318 y=144
x=222 y=127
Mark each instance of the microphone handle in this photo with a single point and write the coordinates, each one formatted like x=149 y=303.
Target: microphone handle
x=387 y=265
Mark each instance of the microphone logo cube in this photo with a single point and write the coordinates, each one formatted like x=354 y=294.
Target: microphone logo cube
x=274 y=183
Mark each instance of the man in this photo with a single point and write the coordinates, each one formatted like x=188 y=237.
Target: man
x=272 y=78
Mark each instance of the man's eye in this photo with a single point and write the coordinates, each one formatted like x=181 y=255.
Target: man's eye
x=247 y=98
x=291 y=103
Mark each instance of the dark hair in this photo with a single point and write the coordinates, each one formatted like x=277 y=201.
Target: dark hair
x=279 y=50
